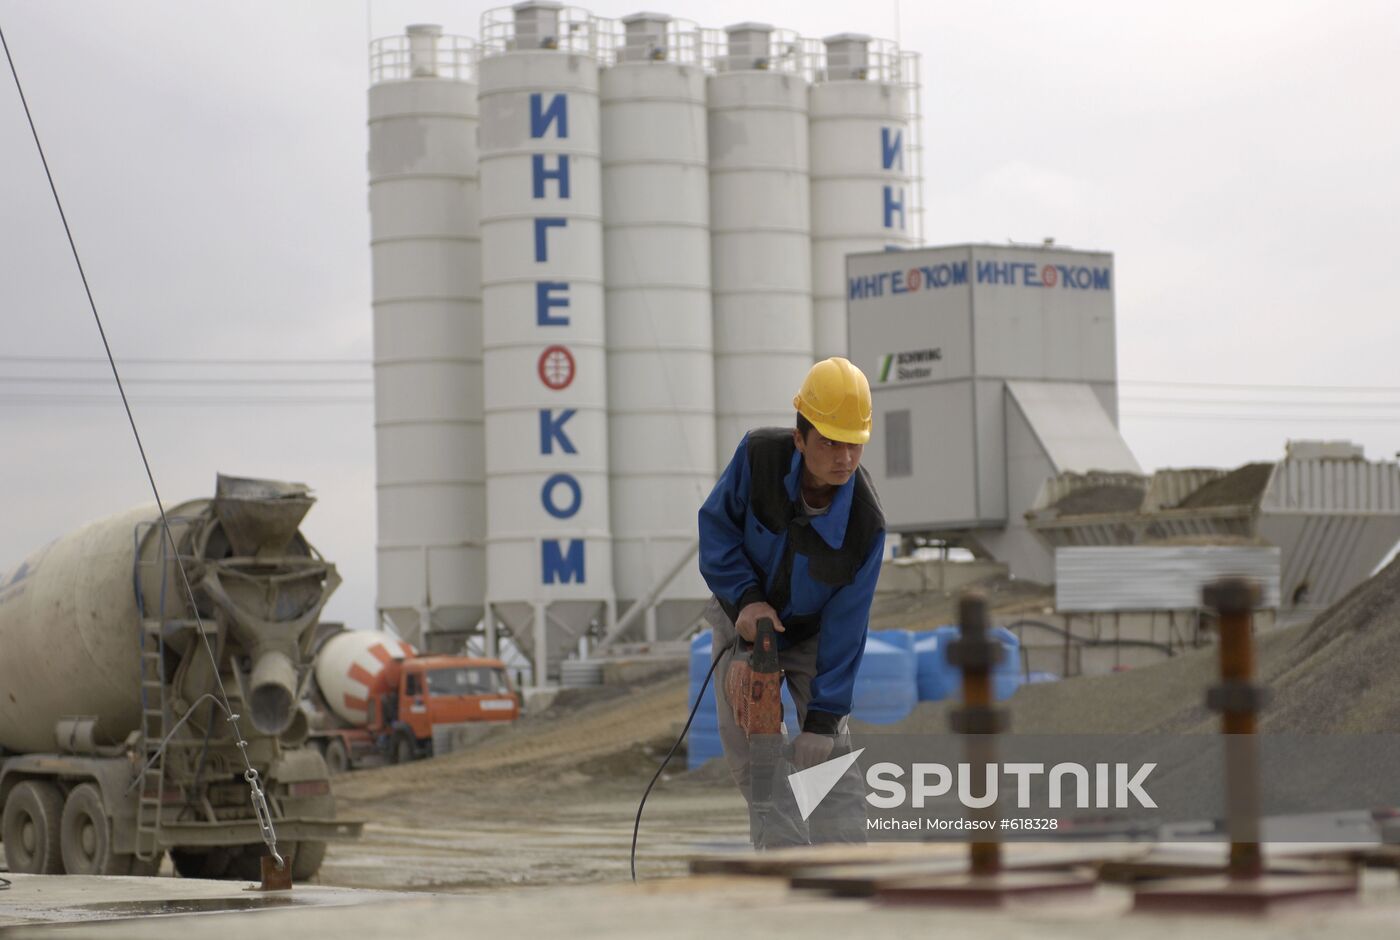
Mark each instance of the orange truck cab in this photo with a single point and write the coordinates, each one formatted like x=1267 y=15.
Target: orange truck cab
x=427 y=699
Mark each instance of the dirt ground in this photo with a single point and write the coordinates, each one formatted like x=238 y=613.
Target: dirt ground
x=548 y=801
x=551 y=799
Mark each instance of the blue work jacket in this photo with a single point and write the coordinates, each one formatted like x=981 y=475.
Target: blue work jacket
x=818 y=572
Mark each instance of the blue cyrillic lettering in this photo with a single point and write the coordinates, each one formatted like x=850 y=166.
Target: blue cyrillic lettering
x=897 y=282
x=560 y=174
x=557 y=114
x=561 y=566
x=867 y=285
x=552 y=429
x=1101 y=279
x=547 y=496
x=891 y=148
x=544 y=302
x=893 y=205
x=542 y=225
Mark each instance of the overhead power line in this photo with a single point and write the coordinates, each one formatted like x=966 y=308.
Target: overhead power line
x=1207 y=417
x=1258 y=402
x=1258 y=387
x=185 y=361
x=190 y=380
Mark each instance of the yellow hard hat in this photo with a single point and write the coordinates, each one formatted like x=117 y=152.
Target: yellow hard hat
x=835 y=397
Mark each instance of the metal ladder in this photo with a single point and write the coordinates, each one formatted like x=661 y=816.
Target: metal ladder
x=155 y=714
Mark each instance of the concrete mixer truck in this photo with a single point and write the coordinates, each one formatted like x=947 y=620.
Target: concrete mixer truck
x=374 y=700
x=102 y=658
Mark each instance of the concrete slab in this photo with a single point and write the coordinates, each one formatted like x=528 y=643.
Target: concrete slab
x=87 y=899
x=707 y=907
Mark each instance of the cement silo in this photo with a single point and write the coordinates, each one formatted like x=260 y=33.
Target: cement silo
x=423 y=195
x=549 y=552
x=759 y=226
x=863 y=146
x=656 y=211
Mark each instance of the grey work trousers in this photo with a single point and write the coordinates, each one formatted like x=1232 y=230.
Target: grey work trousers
x=841 y=816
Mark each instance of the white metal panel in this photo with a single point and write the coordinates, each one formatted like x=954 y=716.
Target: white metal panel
x=546 y=421
x=1072 y=426
x=427 y=332
x=911 y=315
x=862 y=191
x=1157 y=578
x=1043 y=313
x=941 y=491
x=760 y=229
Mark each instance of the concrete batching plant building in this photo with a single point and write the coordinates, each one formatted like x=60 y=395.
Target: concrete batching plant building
x=597 y=249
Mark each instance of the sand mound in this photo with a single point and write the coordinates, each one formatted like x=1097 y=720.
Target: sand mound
x=1236 y=488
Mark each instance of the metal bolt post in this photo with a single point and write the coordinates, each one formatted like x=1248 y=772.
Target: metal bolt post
x=1238 y=700
x=975 y=654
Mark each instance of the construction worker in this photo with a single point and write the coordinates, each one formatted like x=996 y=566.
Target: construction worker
x=793 y=531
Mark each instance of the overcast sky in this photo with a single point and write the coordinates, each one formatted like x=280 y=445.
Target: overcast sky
x=1241 y=161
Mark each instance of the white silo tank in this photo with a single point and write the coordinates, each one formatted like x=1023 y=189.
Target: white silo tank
x=549 y=554
x=423 y=195
x=656 y=213
x=863 y=147
x=760 y=230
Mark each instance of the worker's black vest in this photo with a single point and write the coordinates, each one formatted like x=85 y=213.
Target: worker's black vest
x=770 y=453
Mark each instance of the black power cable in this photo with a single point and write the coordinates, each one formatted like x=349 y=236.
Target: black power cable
x=637 y=825
x=259 y=799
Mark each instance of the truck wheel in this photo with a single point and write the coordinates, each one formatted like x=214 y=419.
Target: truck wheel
x=86 y=835
x=246 y=865
x=306 y=860
x=201 y=863
x=147 y=867
x=30 y=829
x=337 y=757
x=405 y=748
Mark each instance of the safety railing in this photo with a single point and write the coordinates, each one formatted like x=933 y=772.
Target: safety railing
x=422 y=55
x=784 y=51
x=563 y=29
x=677 y=41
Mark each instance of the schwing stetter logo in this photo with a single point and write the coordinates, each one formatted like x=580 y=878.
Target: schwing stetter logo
x=907 y=365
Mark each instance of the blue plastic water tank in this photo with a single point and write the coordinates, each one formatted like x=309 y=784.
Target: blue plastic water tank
x=938 y=680
x=886 y=686
x=703 y=741
x=904 y=639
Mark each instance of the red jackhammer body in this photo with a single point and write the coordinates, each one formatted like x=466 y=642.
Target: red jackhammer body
x=754 y=686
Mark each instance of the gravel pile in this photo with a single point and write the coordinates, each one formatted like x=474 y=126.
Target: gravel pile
x=1110 y=497
x=1240 y=487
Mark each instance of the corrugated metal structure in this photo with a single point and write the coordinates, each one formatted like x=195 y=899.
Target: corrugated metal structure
x=1167 y=577
x=760 y=220
x=661 y=402
x=549 y=553
x=1333 y=515
x=425 y=246
x=864 y=143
